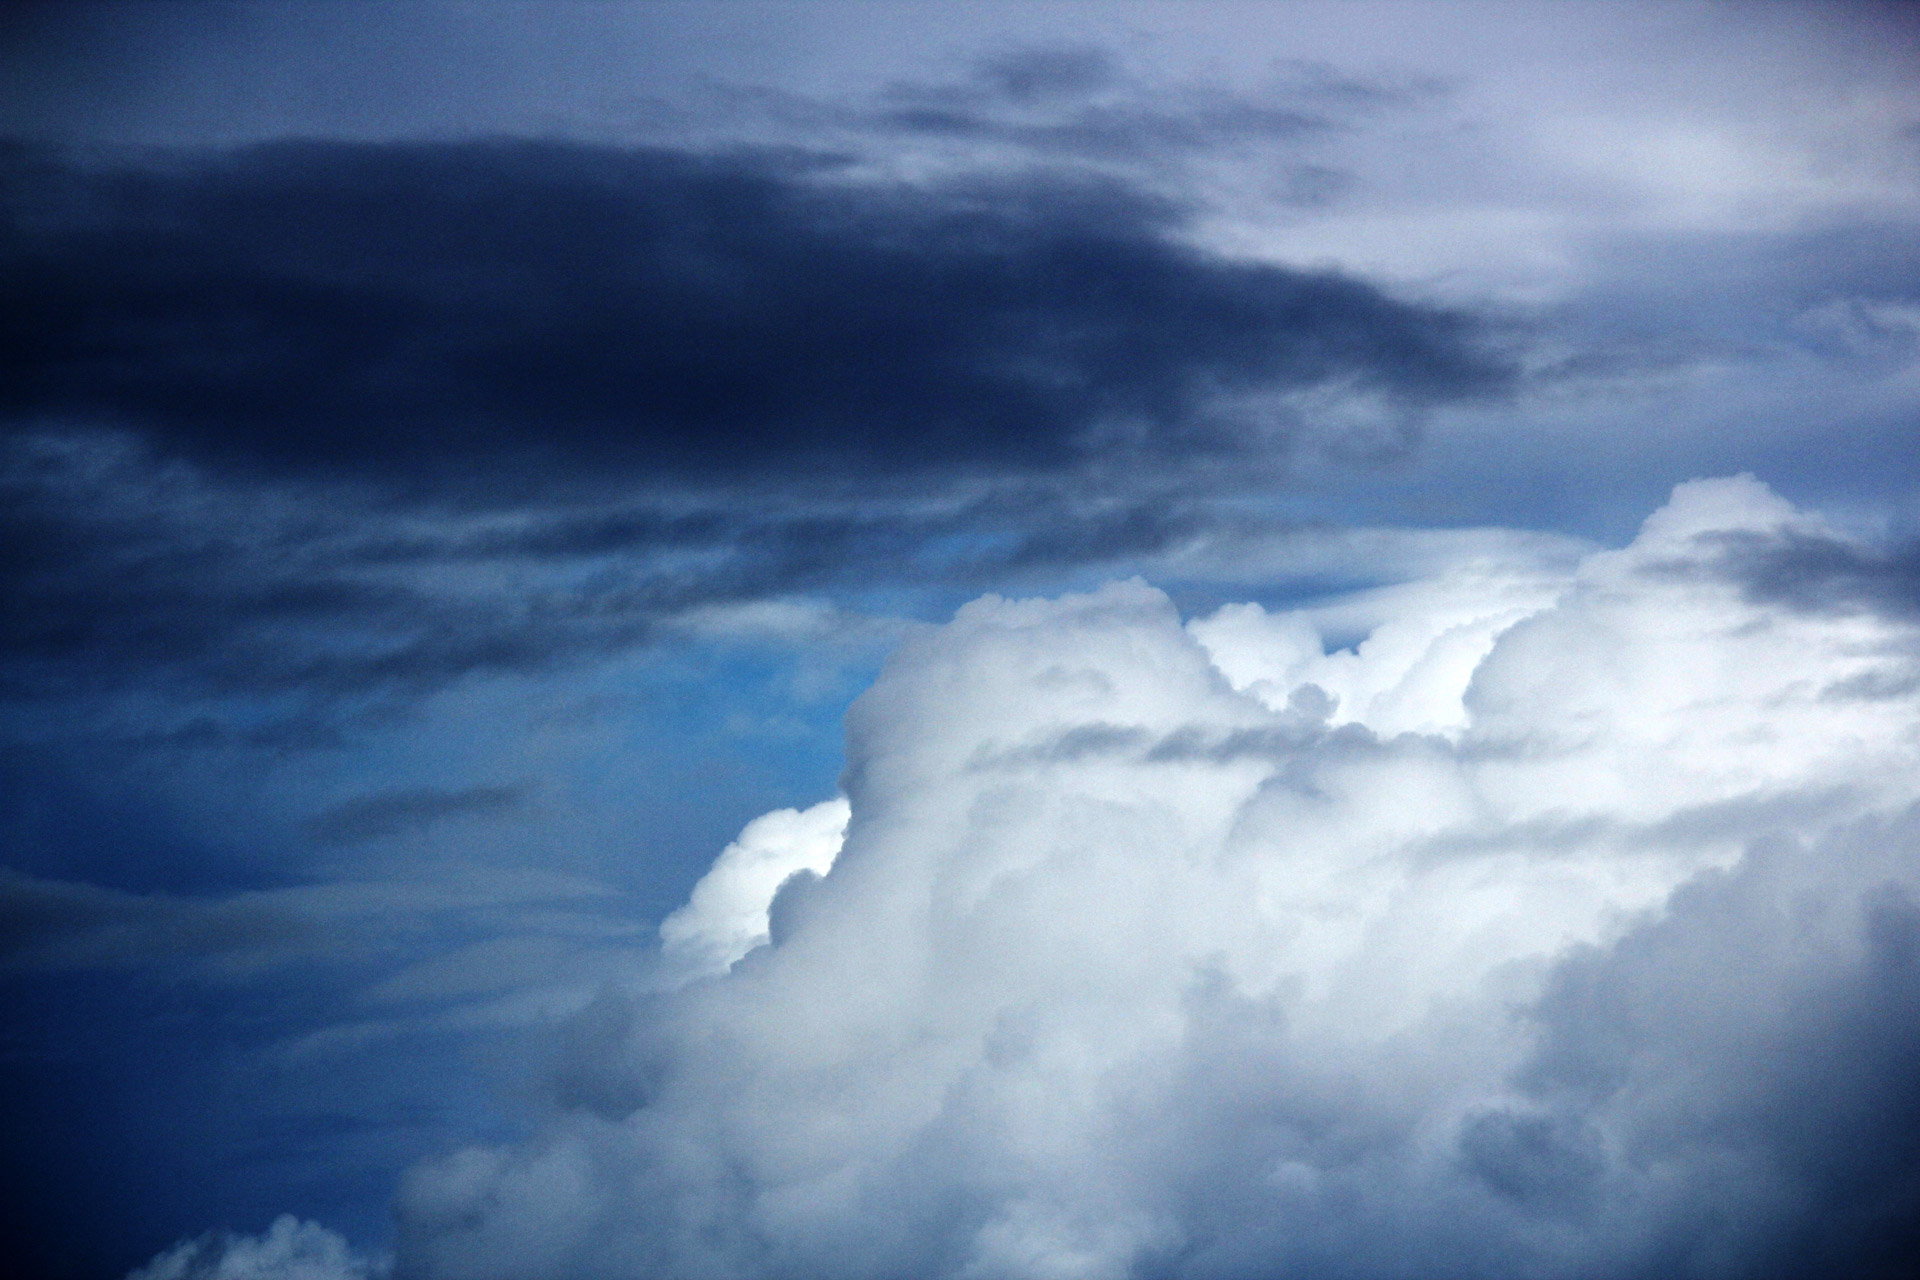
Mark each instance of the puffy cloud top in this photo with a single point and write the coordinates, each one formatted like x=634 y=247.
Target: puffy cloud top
x=1560 y=927
x=288 y=1250
x=729 y=913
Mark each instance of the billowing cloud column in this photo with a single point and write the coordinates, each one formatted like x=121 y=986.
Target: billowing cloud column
x=1561 y=928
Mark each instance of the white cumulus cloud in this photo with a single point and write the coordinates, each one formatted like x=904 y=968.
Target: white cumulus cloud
x=288 y=1250
x=727 y=914
x=1564 y=926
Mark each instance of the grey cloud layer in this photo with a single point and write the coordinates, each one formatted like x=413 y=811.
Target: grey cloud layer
x=125 y=571
x=423 y=309
x=386 y=813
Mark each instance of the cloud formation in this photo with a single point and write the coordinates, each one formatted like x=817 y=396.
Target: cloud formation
x=457 y=463
x=1550 y=931
x=288 y=1250
x=125 y=570
x=423 y=310
x=1082 y=102
x=730 y=911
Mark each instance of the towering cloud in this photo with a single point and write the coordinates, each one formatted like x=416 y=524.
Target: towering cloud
x=1558 y=928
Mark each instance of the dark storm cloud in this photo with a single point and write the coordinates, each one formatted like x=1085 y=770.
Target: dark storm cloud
x=133 y=587
x=121 y=571
x=432 y=310
x=219 y=350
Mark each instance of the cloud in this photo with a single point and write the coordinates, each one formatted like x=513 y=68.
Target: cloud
x=731 y=909
x=55 y=924
x=1817 y=571
x=1078 y=101
x=1290 y=127
x=472 y=314
x=125 y=570
x=443 y=935
x=288 y=1250
x=388 y=813
x=1559 y=928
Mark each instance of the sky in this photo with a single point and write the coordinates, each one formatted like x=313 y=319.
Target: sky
x=1098 y=641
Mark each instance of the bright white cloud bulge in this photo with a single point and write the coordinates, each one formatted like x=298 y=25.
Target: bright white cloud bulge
x=288 y=1250
x=1563 y=927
